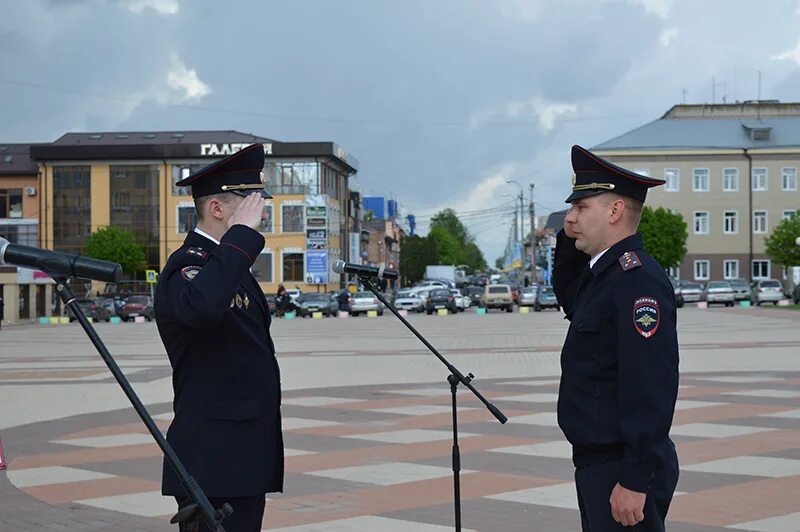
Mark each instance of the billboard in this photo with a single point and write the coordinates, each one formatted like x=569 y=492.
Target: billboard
x=316 y=267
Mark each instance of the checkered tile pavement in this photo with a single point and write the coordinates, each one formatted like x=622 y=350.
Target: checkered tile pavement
x=371 y=458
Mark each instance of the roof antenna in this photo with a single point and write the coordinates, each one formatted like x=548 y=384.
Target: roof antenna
x=758 y=102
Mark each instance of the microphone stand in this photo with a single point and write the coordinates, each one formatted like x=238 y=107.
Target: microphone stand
x=454 y=379
x=200 y=506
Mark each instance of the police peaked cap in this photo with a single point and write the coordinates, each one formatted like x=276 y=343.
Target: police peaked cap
x=593 y=175
x=240 y=173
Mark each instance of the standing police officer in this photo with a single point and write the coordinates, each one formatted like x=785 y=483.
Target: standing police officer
x=214 y=322
x=619 y=362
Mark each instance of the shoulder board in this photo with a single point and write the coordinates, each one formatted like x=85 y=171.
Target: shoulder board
x=629 y=261
x=197 y=252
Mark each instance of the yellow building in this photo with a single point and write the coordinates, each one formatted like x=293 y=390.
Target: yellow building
x=127 y=179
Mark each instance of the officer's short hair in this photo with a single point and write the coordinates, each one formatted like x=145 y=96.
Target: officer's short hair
x=201 y=202
x=633 y=207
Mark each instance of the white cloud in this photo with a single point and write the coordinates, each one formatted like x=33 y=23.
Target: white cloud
x=162 y=7
x=660 y=8
x=792 y=54
x=546 y=112
x=182 y=79
x=667 y=35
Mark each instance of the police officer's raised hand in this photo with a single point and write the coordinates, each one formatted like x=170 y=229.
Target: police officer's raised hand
x=627 y=507
x=249 y=212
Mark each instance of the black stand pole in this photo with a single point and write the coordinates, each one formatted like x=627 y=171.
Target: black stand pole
x=454 y=379
x=200 y=504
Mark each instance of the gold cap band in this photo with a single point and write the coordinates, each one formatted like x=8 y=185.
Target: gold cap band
x=252 y=186
x=594 y=186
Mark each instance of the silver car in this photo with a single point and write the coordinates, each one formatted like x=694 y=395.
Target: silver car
x=527 y=297
x=410 y=301
x=719 y=292
x=741 y=289
x=691 y=292
x=766 y=291
x=364 y=302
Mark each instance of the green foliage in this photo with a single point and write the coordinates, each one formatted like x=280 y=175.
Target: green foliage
x=111 y=243
x=416 y=252
x=664 y=236
x=782 y=245
x=447 y=245
x=499 y=262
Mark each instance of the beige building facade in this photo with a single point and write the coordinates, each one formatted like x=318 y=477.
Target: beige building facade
x=732 y=178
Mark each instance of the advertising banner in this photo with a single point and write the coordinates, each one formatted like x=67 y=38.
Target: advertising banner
x=316 y=267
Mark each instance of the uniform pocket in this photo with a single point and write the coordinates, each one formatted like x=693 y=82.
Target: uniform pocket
x=233 y=410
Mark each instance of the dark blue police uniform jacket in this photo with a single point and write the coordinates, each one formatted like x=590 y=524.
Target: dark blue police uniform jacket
x=619 y=364
x=214 y=322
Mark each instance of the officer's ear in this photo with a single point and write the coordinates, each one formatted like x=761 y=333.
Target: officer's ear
x=617 y=209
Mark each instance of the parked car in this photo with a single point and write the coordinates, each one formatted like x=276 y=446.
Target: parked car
x=364 y=302
x=92 y=309
x=474 y=293
x=112 y=305
x=410 y=301
x=498 y=296
x=527 y=298
x=545 y=298
x=691 y=292
x=796 y=294
x=309 y=303
x=719 y=292
x=441 y=299
x=766 y=291
x=137 y=306
x=462 y=302
x=428 y=285
x=741 y=289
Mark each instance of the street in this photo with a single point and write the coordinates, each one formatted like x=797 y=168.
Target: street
x=366 y=412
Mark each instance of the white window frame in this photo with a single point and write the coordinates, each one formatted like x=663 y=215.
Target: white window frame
x=725 y=264
x=735 y=229
x=793 y=185
x=759 y=187
x=697 y=263
x=769 y=268
x=695 y=172
x=787 y=213
x=178 y=207
x=672 y=185
x=694 y=222
x=725 y=187
x=675 y=272
x=756 y=215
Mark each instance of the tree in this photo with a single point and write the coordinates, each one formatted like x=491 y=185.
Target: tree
x=416 y=253
x=448 y=219
x=448 y=248
x=782 y=245
x=664 y=236
x=446 y=222
x=112 y=243
x=499 y=262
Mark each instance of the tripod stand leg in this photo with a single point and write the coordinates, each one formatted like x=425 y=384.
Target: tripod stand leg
x=456 y=454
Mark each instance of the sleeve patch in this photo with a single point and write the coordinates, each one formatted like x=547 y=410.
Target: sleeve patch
x=198 y=252
x=629 y=261
x=646 y=316
x=190 y=272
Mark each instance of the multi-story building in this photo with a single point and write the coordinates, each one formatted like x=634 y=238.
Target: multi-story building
x=127 y=179
x=731 y=170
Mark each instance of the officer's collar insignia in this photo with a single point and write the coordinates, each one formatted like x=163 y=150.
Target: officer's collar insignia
x=200 y=252
x=190 y=272
x=239 y=301
x=629 y=261
x=646 y=316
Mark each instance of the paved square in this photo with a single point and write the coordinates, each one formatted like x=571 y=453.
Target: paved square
x=386 y=474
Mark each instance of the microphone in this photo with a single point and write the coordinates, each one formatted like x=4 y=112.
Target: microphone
x=341 y=266
x=56 y=263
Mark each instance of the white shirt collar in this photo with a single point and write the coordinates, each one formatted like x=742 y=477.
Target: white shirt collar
x=591 y=262
x=203 y=233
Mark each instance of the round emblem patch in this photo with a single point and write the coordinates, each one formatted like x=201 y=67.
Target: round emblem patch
x=190 y=272
x=646 y=316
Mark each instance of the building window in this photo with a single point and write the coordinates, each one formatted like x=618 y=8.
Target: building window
x=262 y=268
x=759 y=221
x=266 y=223
x=282 y=177
x=761 y=269
x=675 y=272
x=730 y=179
x=789 y=179
x=672 y=176
x=182 y=171
x=292 y=267
x=135 y=206
x=187 y=218
x=788 y=213
x=701 y=222
x=11 y=203
x=24 y=233
x=700 y=180
x=730 y=268
x=292 y=219
x=759 y=179
x=701 y=269
x=730 y=222
x=72 y=207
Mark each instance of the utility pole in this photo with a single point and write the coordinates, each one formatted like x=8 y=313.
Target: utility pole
x=521 y=225
x=533 y=239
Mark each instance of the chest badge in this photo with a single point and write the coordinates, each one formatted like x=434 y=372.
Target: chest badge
x=646 y=316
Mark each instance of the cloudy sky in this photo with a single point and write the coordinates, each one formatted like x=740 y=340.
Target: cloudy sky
x=440 y=100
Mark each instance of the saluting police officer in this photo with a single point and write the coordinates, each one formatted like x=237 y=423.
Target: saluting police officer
x=619 y=362
x=214 y=322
